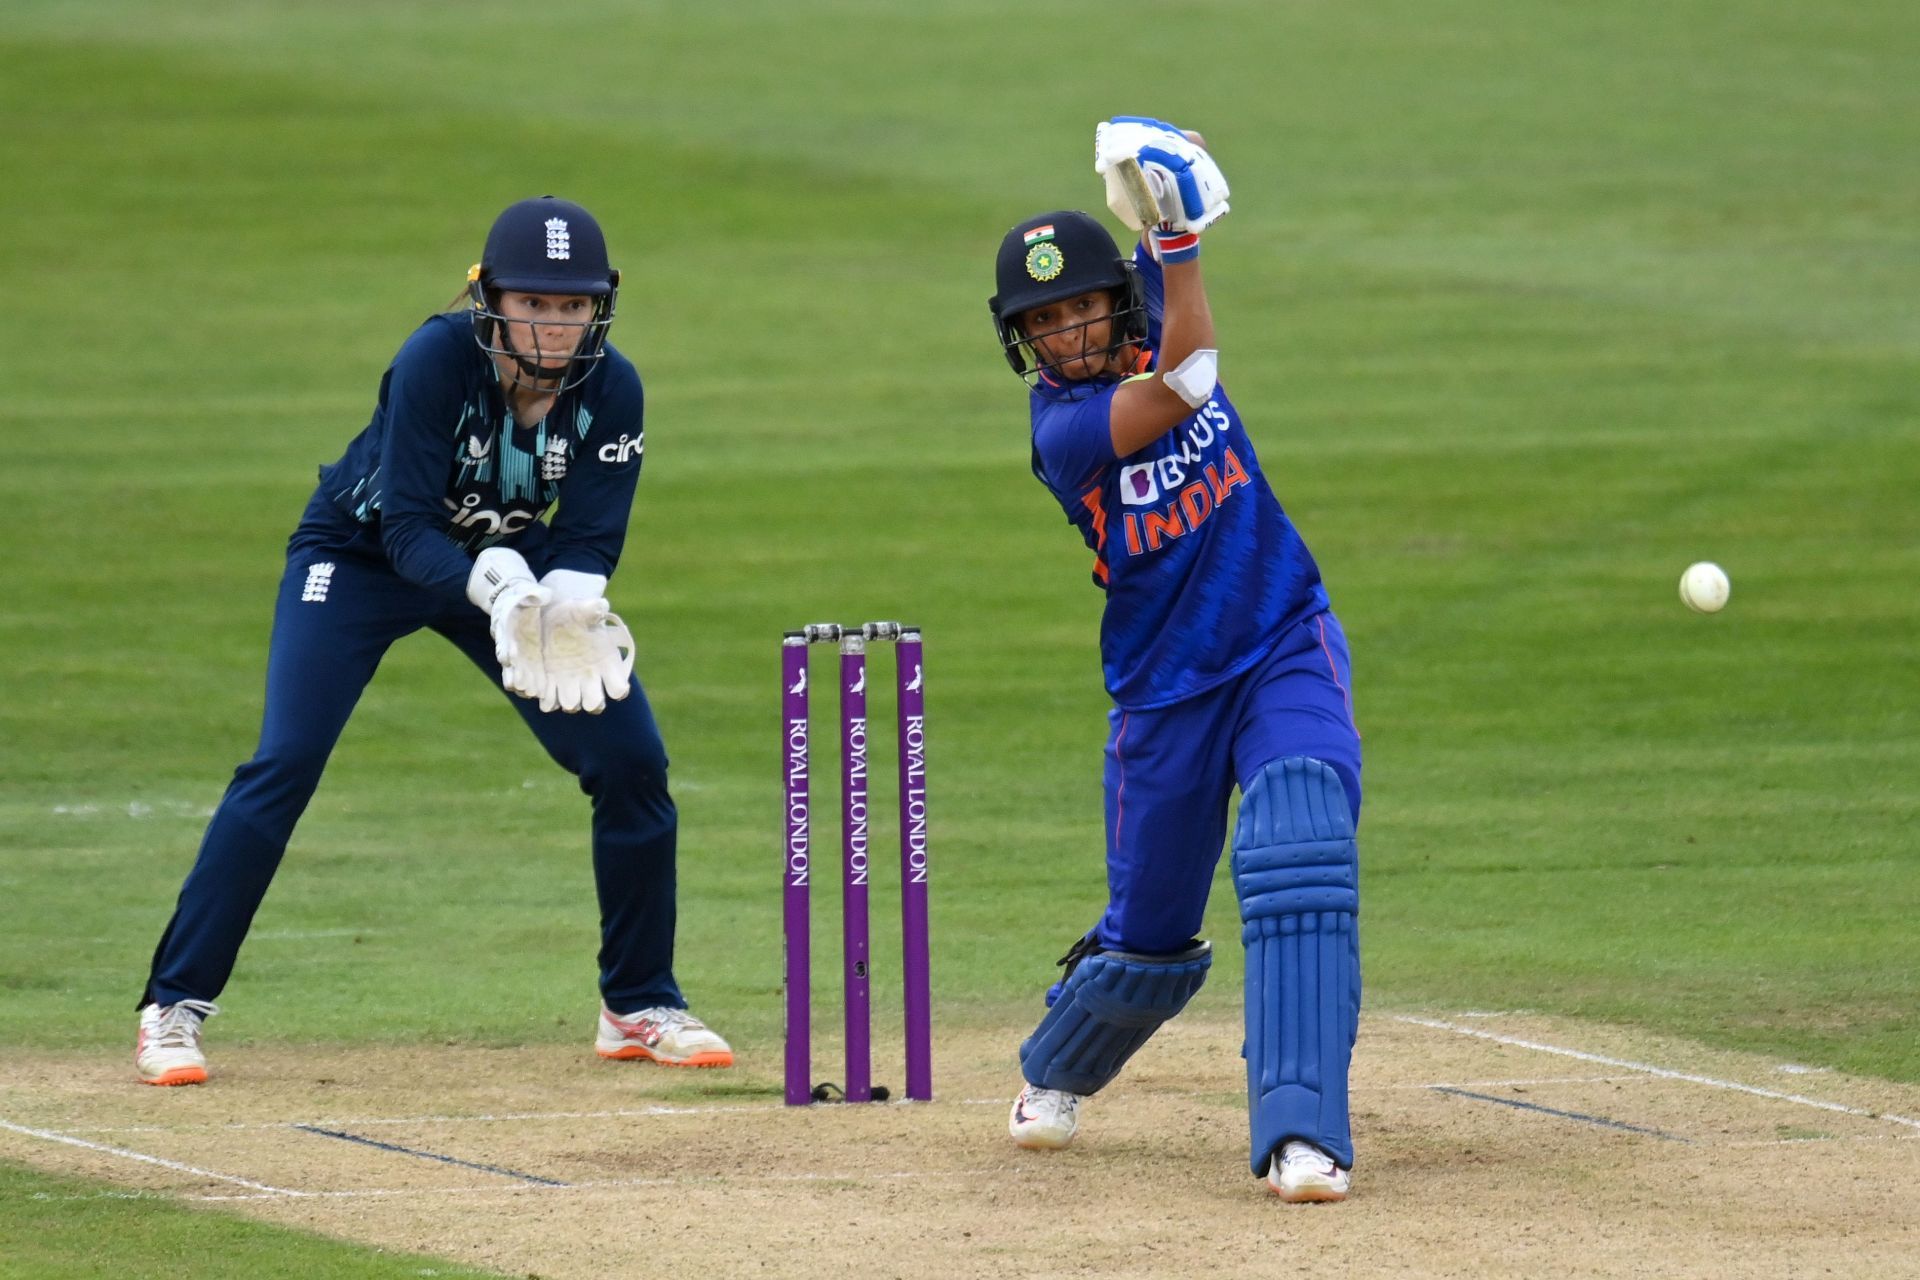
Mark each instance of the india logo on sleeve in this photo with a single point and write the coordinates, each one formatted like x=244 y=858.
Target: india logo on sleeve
x=1138 y=486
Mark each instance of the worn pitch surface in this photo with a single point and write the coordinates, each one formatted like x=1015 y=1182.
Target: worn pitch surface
x=1490 y=1145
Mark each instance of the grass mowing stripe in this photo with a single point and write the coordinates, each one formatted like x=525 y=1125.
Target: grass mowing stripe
x=64 y=1228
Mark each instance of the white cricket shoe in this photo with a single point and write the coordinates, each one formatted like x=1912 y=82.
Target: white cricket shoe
x=672 y=1037
x=1302 y=1173
x=1044 y=1119
x=168 y=1049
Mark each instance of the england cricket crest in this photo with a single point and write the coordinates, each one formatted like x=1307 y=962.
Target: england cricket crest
x=553 y=459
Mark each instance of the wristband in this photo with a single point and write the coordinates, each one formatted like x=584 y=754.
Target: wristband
x=1176 y=246
x=494 y=570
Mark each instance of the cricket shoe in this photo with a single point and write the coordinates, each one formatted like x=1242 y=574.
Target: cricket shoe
x=672 y=1037
x=168 y=1050
x=1044 y=1119
x=1302 y=1174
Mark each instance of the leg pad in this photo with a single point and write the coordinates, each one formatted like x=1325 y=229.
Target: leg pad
x=1111 y=1005
x=1296 y=870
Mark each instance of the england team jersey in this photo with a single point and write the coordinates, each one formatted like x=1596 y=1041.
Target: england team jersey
x=1202 y=569
x=444 y=470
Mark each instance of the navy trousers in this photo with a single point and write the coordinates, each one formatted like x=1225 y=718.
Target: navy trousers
x=331 y=627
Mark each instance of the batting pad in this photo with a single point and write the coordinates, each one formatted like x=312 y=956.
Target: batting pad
x=1296 y=867
x=1110 y=1006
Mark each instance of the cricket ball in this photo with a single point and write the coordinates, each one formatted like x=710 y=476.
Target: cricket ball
x=1704 y=587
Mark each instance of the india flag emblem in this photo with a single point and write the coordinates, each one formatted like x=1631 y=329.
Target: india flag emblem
x=1038 y=234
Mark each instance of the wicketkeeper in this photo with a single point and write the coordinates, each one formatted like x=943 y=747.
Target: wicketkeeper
x=488 y=415
x=1224 y=662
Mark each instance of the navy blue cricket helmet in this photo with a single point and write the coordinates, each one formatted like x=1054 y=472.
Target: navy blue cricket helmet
x=544 y=245
x=1056 y=256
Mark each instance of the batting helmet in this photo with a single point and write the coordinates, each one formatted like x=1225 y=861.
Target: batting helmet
x=545 y=245
x=1053 y=257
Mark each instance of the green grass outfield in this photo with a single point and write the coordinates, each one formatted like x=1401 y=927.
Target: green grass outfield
x=72 y=1229
x=1527 y=306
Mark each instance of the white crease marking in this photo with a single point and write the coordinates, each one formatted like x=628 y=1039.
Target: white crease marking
x=125 y=1154
x=1662 y=1072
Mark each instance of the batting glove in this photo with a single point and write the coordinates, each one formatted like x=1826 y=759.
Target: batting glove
x=1187 y=184
x=502 y=584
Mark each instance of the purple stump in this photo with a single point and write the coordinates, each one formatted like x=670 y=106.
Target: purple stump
x=853 y=847
x=915 y=961
x=795 y=859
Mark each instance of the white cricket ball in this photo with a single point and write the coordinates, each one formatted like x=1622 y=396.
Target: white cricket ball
x=1704 y=587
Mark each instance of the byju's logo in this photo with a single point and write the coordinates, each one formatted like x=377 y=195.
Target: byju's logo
x=319 y=578
x=1138 y=487
x=559 y=244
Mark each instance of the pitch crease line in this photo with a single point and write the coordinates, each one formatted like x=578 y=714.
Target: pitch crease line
x=430 y=1155
x=617 y=1184
x=1662 y=1072
x=1510 y=1084
x=1581 y=1116
x=175 y=1165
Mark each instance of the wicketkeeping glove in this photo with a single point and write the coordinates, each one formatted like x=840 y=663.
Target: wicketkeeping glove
x=502 y=584
x=589 y=656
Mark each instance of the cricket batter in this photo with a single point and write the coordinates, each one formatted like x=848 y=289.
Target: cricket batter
x=1225 y=665
x=432 y=518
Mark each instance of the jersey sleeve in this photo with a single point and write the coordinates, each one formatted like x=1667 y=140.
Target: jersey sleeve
x=1072 y=440
x=590 y=527
x=1153 y=287
x=423 y=402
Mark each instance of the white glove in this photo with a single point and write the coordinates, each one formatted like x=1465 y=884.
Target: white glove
x=589 y=650
x=589 y=656
x=502 y=584
x=1186 y=183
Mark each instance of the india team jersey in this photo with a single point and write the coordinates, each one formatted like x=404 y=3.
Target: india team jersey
x=443 y=469
x=1202 y=569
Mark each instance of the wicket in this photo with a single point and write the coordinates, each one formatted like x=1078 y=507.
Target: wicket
x=915 y=977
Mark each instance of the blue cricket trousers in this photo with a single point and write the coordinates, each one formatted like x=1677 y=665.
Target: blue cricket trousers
x=1170 y=774
x=330 y=629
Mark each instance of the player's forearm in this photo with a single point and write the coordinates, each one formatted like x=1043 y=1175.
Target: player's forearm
x=421 y=553
x=1187 y=324
x=1147 y=408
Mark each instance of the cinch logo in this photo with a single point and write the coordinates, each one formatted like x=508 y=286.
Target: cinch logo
x=553 y=459
x=319 y=578
x=559 y=244
x=624 y=448
x=468 y=514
